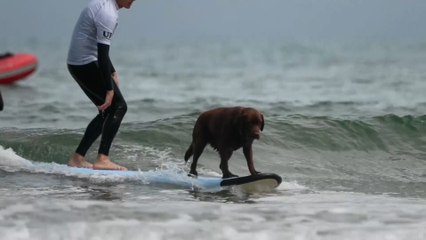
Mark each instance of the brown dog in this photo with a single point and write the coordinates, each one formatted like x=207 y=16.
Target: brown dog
x=226 y=129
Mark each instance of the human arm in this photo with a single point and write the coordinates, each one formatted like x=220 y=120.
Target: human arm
x=105 y=66
x=114 y=76
x=105 y=26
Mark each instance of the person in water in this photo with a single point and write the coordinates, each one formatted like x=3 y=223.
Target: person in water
x=90 y=65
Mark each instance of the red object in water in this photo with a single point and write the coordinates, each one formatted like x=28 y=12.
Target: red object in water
x=14 y=67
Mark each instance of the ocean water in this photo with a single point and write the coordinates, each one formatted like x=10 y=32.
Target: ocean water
x=345 y=128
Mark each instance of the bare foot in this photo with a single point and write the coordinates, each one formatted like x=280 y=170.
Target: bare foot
x=103 y=162
x=76 y=160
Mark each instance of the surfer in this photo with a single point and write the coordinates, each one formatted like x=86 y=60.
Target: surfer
x=90 y=66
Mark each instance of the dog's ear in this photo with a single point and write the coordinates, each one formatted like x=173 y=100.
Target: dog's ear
x=263 y=122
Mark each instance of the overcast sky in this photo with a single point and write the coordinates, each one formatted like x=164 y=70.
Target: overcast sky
x=173 y=19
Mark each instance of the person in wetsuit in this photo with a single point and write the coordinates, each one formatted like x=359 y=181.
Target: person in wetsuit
x=91 y=67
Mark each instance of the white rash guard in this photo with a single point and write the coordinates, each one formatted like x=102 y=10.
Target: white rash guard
x=96 y=24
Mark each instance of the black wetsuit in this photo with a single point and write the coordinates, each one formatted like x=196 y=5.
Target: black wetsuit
x=95 y=80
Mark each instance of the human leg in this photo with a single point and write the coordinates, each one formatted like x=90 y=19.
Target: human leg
x=113 y=117
x=87 y=77
x=106 y=123
x=1 y=102
x=112 y=120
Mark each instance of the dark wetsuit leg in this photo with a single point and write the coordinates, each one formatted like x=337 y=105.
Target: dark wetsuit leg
x=1 y=102
x=106 y=123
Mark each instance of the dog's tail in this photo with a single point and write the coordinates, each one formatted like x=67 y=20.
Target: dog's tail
x=189 y=153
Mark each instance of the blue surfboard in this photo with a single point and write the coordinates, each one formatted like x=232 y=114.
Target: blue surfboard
x=252 y=183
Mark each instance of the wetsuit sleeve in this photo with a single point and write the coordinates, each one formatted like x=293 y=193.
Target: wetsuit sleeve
x=111 y=66
x=105 y=65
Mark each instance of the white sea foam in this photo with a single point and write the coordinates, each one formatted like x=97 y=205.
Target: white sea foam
x=10 y=161
x=291 y=186
x=322 y=216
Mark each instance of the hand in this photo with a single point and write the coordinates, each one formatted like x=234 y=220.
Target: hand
x=114 y=77
x=108 y=100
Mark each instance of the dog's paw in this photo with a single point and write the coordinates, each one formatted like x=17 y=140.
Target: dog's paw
x=193 y=174
x=229 y=175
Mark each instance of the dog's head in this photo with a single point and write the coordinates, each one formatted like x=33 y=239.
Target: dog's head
x=250 y=123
